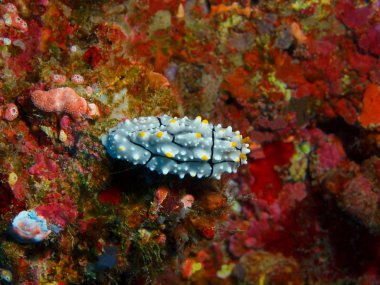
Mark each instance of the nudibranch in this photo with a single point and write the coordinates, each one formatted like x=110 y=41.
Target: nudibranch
x=178 y=145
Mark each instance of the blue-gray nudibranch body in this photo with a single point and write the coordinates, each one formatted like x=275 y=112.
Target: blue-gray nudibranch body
x=178 y=145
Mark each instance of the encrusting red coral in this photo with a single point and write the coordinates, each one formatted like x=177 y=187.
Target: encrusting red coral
x=63 y=99
x=61 y=211
x=370 y=111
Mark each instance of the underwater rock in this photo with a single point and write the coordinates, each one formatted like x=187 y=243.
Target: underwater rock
x=178 y=145
x=213 y=201
x=266 y=268
x=361 y=201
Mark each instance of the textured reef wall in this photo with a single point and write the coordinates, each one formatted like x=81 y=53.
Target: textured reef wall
x=300 y=78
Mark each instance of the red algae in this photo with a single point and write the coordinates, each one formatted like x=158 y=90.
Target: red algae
x=92 y=56
x=370 y=41
x=44 y=167
x=59 y=213
x=267 y=182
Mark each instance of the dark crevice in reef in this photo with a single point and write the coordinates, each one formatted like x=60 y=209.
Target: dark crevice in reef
x=353 y=248
x=357 y=142
x=131 y=177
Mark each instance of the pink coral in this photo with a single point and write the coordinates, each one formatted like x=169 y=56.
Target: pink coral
x=14 y=20
x=9 y=8
x=11 y=112
x=77 y=79
x=63 y=99
x=58 y=78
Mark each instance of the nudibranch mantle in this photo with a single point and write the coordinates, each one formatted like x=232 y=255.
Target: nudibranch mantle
x=178 y=145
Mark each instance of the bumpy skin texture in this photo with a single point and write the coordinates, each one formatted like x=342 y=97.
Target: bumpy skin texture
x=178 y=145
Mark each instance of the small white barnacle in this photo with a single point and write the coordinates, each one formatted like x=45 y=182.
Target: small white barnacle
x=178 y=145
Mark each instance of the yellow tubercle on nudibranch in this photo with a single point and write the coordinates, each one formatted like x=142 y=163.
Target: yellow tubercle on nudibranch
x=198 y=135
x=121 y=148
x=243 y=156
x=205 y=122
x=204 y=157
x=172 y=121
x=142 y=134
x=233 y=144
x=169 y=154
x=159 y=134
